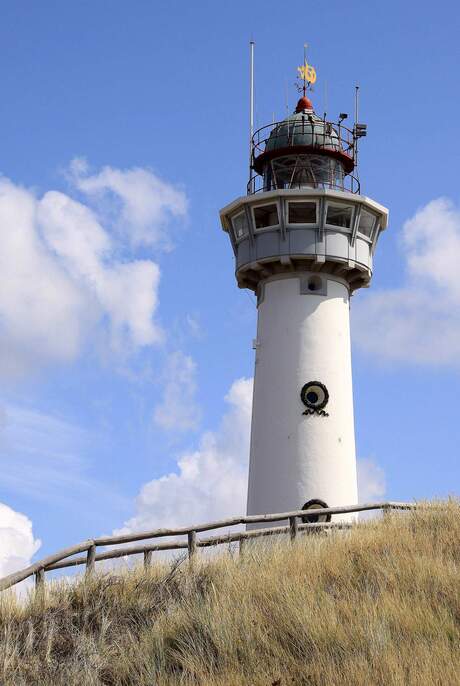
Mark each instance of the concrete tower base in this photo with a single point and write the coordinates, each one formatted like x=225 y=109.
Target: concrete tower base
x=303 y=335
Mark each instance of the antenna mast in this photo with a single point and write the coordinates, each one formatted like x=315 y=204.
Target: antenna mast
x=356 y=122
x=251 y=112
x=356 y=103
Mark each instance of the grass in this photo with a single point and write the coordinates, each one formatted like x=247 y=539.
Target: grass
x=377 y=605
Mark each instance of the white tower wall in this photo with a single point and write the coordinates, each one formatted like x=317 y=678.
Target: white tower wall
x=302 y=337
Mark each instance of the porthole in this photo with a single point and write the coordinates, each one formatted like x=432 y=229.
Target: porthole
x=314 y=395
x=315 y=504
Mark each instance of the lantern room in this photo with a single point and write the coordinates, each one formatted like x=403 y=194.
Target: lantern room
x=303 y=151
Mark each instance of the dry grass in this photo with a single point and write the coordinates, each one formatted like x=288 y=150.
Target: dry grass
x=379 y=605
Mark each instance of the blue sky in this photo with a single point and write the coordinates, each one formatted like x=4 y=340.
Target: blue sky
x=126 y=344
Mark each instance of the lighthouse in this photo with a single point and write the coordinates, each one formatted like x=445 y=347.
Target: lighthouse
x=303 y=237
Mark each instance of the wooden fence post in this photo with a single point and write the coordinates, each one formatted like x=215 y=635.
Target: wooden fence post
x=147 y=558
x=293 y=528
x=191 y=545
x=40 y=581
x=64 y=558
x=90 y=560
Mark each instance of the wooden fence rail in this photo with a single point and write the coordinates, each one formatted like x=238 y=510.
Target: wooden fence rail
x=64 y=558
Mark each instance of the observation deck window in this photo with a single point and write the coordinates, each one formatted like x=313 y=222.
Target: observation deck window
x=302 y=212
x=339 y=215
x=240 y=225
x=366 y=223
x=266 y=216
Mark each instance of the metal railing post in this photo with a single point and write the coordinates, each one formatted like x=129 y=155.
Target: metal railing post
x=147 y=558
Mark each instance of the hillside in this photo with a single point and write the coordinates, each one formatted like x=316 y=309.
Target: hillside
x=378 y=605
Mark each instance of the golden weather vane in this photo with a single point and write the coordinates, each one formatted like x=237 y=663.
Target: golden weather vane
x=307 y=73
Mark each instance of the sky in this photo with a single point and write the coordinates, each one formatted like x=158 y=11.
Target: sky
x=126 y=356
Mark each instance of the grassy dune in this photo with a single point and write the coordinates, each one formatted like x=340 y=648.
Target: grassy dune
x=378 y=605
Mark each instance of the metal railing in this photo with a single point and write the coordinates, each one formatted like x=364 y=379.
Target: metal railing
x=349 y=184
x=316 y=136
x=65 y=558
x=336 y=137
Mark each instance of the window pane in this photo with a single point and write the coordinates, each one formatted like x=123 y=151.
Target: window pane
x=240 y=225
x=366 y=223
x=266 y=216
x=302 y=213
x=339 y=215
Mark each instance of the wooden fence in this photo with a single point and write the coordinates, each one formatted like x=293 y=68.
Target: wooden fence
x=65 y=558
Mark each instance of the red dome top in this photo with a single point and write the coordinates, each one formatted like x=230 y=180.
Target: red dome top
x=304 y=104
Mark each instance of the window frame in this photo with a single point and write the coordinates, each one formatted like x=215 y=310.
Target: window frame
x=300 y=225
x=272 y=227
x=362 y=235
x=336 y=227
x=245 y=235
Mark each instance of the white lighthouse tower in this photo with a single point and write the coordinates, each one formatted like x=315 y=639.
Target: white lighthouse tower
x=303 y=239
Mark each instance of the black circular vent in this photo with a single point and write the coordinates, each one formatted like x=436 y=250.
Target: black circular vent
x=314 y=395
x=315 y=504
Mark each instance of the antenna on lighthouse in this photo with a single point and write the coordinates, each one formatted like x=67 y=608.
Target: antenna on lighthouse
x=359 y=130
x=356 y=103
x=251 y=111
x=325 y=99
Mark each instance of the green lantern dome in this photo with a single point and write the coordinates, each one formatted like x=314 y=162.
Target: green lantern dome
x=303 y=132
x=303 y=129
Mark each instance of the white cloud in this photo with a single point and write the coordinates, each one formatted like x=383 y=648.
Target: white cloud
x=210 y=482
x=420 y=321
x=17 y=542
x=178 y=410
x=371 y=481
x=145 y=205
x=43 y=313
x=65 y=276
x=127 y=292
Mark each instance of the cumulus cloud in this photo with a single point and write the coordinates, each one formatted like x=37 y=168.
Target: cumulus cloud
x=17 y=542
x=178 y=410
x=420 y=321
x=144 y=204
x=67 y=276
x=211 y=481
x=371 y=481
